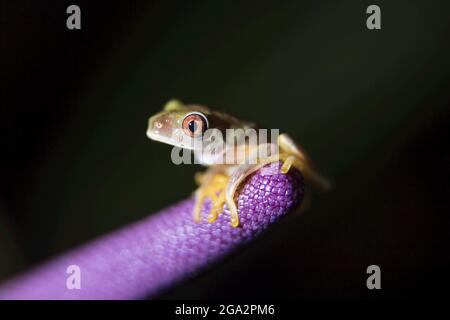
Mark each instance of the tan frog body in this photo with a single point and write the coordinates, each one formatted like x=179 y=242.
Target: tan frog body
x=192 y=126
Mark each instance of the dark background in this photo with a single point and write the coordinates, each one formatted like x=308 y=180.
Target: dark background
x=371 y=107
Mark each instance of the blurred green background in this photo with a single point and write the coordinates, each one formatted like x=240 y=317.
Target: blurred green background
x=371 y=107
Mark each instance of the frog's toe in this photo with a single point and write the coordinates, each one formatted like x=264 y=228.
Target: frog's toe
x=287 y=164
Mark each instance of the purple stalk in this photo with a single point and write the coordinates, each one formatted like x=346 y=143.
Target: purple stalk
x=143 y=258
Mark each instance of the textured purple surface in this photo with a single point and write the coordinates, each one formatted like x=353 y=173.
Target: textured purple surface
x=139 y=260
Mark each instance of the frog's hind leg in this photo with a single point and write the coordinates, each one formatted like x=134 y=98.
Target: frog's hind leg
x=292 y=155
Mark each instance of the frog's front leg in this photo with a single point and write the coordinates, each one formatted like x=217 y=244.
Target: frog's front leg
x=242 y=172
x=213 y=184
x=245 y=170
x=238 y=176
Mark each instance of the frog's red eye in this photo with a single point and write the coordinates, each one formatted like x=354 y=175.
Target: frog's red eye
x=194 y=124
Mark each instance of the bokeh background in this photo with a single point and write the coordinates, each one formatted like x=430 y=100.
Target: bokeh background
x=371 y=107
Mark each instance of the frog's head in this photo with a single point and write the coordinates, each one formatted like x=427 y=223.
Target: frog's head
x=179 y=125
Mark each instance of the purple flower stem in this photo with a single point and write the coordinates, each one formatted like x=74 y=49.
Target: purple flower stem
x=141 y=259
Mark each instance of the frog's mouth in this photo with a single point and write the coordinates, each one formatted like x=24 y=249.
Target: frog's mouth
x=156 y=137
x=177 y=140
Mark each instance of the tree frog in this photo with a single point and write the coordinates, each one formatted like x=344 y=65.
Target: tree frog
x=184 y=126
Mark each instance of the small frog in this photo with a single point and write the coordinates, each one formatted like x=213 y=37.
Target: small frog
x=185 y=125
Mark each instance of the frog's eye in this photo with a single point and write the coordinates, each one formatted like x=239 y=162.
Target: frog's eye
x=195 y=124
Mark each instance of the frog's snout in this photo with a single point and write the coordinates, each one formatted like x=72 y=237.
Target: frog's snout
x=159 y=127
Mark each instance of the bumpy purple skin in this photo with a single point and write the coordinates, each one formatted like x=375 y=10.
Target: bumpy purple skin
x=141 y=259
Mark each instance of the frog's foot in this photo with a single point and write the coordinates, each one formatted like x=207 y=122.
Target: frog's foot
x=213 y=188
